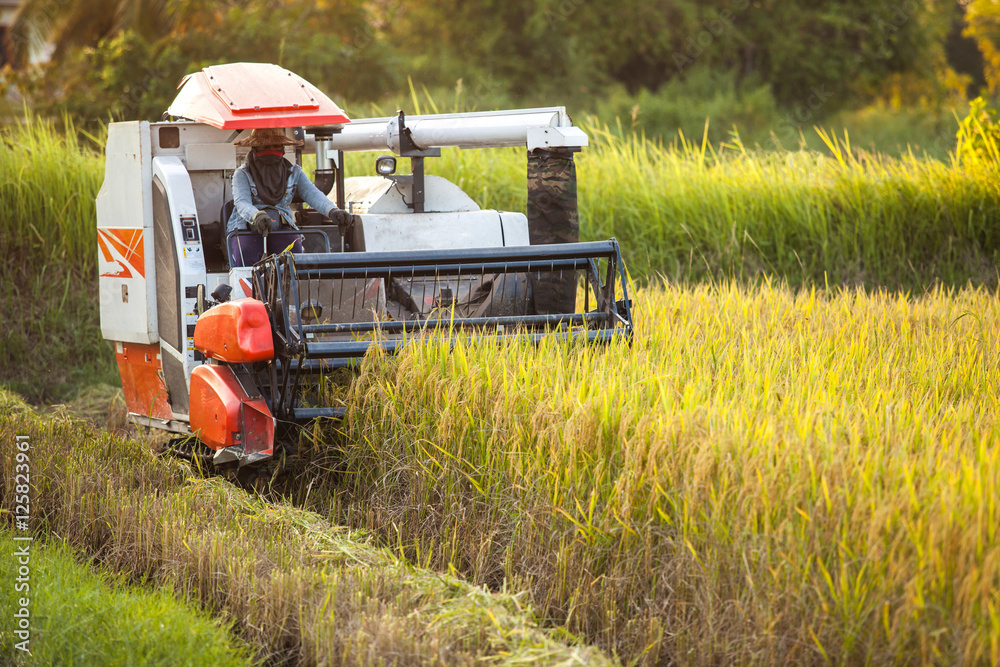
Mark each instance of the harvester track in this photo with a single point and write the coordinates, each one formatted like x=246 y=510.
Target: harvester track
x=258 y=477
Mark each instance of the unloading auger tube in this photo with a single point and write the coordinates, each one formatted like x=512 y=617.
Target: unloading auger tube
x=470 y=293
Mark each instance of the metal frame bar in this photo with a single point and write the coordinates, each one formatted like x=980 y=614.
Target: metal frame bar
x=276 y=281
x=575 y=319
x=357 y=349
x=575 y=252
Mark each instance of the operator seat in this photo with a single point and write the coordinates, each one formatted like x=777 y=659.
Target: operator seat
x=246 y=248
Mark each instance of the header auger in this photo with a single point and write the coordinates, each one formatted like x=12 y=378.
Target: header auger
x=226 y=336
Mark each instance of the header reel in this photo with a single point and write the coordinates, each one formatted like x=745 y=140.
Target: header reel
x=328 y=310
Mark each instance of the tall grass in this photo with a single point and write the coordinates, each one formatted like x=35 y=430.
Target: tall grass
x=49 y=179
x=765 y=477
x=684 y=210
x=298 y=589
x=50 y=344
x=690 y=212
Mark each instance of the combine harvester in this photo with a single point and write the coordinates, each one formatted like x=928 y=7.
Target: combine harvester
x=227 y=337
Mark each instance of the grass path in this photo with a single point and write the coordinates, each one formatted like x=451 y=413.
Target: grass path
x=79 y=617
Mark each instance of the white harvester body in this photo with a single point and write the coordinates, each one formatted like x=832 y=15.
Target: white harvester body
x=162 y=215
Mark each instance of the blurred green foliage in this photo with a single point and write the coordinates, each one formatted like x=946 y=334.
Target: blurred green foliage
x=795 y=46
x=983 y=25
x=979 y=134
x=682 y=106
x=752 y=62
x=122 y=69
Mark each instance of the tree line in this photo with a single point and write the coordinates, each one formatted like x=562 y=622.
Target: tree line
x=125 y=58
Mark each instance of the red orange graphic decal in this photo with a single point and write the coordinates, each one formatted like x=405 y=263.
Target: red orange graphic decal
x=122 y=253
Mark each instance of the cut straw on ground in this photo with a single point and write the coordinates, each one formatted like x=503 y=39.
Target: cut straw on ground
x=298 y=589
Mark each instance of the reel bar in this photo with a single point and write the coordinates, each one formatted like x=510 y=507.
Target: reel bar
x=456 y=256
x=318 y=365
x=328 y=310
x=355 y=349
x=576 y=319
x=308 y=414
x=439 y=269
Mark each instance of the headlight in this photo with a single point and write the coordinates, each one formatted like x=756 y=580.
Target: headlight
x=385 y=165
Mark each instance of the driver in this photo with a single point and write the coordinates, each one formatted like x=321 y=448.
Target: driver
x=266 y=183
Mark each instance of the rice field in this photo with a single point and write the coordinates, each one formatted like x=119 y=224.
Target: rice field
x=686 y=211
x=796 y=461
x=48 y=280
x=690 y=213
x=767 y=476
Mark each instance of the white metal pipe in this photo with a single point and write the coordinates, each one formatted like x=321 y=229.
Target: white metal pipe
x=485 y=129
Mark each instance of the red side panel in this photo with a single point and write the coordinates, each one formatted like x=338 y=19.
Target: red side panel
x=216 y=399
x=237 y=332
x=222 y=415
x=142 y=381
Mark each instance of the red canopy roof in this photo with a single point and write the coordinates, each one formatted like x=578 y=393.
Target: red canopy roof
x=246 y=95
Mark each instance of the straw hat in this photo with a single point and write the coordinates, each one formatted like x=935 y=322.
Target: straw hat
x=267 y=136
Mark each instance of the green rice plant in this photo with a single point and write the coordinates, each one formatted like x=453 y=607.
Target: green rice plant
x=978 y=134
x=298 y=589
x=766 y=476
x=690 y=212
x=48 y=182
x=686 y=210
x=81 y=616
x=50 y=343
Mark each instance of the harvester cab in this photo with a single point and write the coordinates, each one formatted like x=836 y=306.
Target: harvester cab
x=226 y=336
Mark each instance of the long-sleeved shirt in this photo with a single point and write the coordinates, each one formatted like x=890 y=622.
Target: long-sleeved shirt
x=246 y=203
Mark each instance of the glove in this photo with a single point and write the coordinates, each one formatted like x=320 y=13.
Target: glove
x=340 y=217
x=261 y=224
